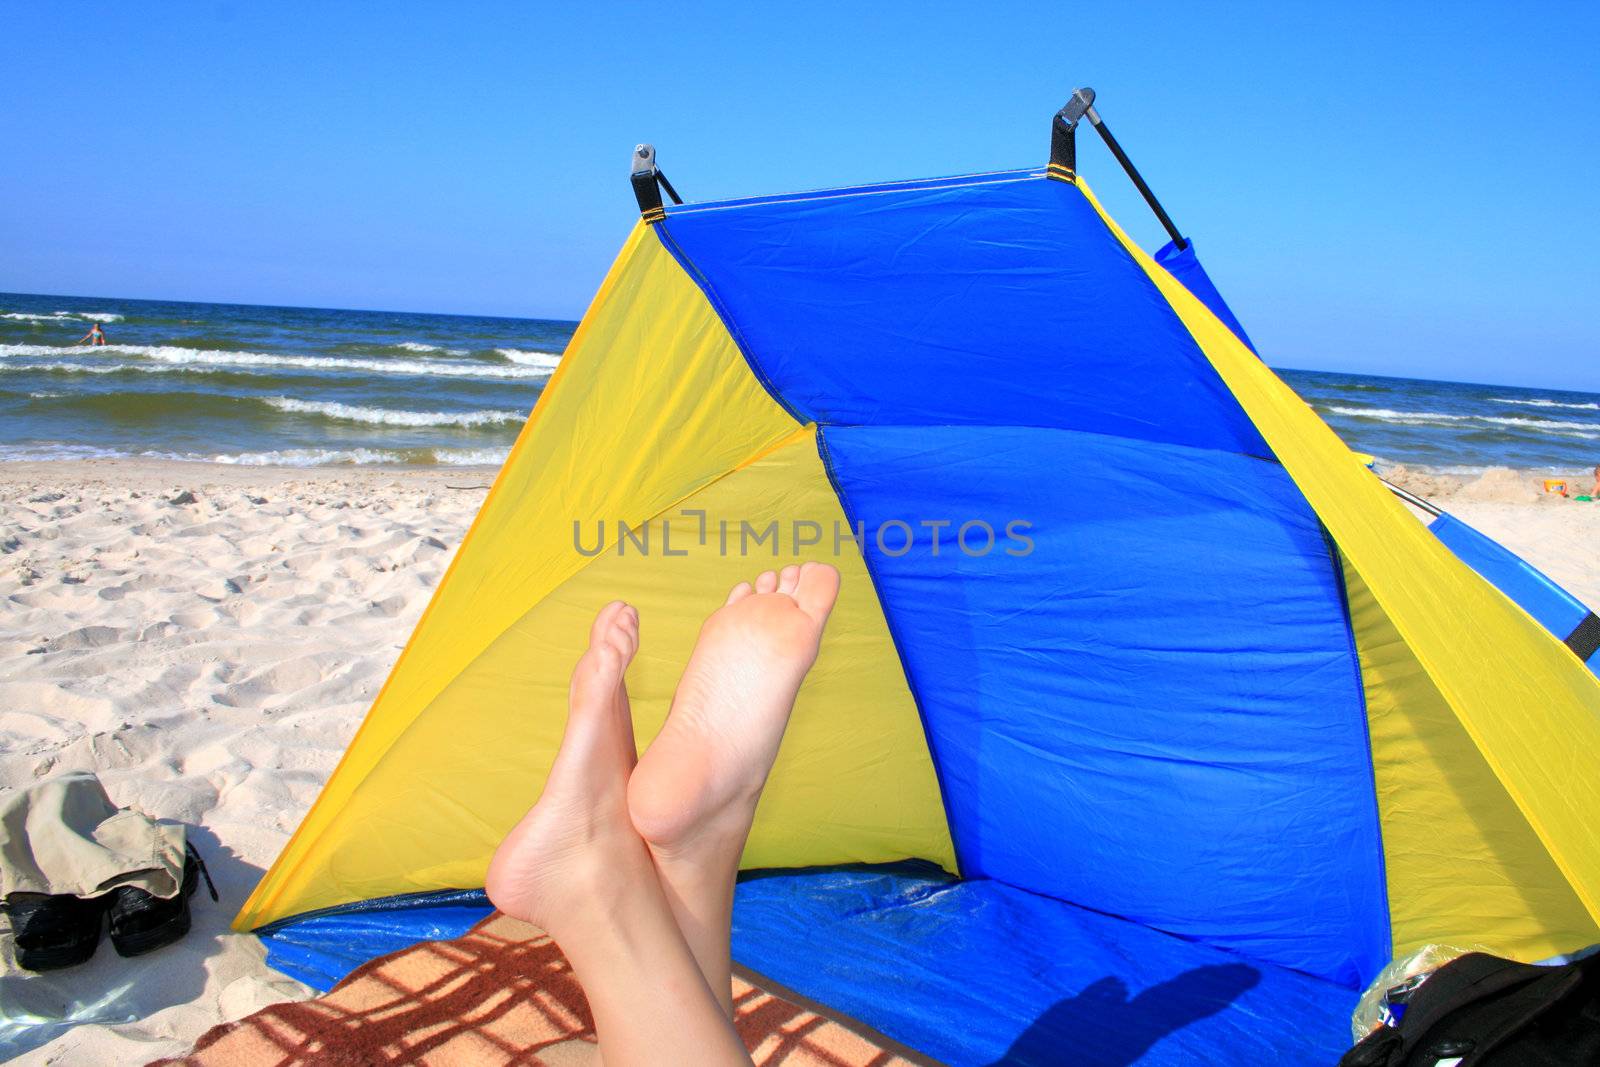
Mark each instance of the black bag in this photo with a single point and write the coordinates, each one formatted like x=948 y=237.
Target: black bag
x=1483 y=1011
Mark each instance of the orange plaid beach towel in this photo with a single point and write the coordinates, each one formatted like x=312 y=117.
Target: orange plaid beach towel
x=502 y=993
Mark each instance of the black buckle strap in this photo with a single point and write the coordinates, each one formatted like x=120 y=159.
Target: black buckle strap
x=648 y=182
x=1064 y=134
x=1063 y=152
x=1584 y=640
x=200 y=864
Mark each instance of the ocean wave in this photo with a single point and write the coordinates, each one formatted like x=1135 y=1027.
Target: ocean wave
x=1405 y=418
x=530 y=358
x=104 y=368
x=389 y=417
x=1546 y=404
x=361 y=457
x=62 y=316
x=418 y=346
x=54 y=452
x=179 y=356
x=1557 y=427
x=1540 y=424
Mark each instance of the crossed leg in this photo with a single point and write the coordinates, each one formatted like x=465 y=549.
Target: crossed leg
x=575 y=867
x=693 y=796
x=646 y=926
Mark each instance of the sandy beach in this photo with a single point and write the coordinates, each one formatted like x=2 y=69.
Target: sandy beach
x=206 y=639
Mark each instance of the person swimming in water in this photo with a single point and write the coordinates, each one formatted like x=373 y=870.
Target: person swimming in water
x=95 y=336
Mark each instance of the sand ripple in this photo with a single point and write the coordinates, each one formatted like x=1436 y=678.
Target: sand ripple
x=206 y=640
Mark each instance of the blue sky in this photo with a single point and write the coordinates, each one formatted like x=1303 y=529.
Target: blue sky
x=1376 y=188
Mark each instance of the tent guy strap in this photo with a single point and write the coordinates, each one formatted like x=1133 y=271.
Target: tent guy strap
x=648 y=182
x=1063 y=153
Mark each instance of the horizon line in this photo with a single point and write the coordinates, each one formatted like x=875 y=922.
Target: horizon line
x=1276 y=368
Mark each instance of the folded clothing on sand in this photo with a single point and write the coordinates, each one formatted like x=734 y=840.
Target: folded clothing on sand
x=64 y=837
x=503 y=993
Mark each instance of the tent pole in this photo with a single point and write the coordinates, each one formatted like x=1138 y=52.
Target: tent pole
x=1413 y=499
x=1082 y=105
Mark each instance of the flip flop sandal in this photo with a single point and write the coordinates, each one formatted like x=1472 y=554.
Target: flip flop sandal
x=52 y=932
x=142 y=923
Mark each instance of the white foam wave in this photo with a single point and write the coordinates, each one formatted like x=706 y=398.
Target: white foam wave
x=390 y=417
x=52 y=452
x=1408 y=418
x=194 y=357
x=526 y=358
x=45 y=396
x=62 y=316
x=1439 y=418
x=105 y=368
x=418 y=346
x=1540 y=424
x=337 y=457
x=1546 y=404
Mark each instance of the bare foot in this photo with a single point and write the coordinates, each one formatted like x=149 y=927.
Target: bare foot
x=575 y=866
x=578 y=837
x=694 y=793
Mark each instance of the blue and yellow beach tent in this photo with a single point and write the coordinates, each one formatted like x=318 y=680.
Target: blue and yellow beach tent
x=1149 y=726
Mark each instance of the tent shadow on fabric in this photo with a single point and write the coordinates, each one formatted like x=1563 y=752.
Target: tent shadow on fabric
x=1104 y=1027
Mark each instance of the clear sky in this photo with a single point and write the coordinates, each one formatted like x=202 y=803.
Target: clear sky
x=1391 y=188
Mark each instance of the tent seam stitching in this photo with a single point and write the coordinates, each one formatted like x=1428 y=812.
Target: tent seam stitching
x=720 y=309
x=851 y=516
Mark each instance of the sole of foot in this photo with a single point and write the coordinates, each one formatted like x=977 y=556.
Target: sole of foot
x=698 y=783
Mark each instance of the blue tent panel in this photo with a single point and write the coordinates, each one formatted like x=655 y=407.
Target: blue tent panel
x=1552 y=606
x=968 y=972
x=321 y=949
x=1120 y=718
x=978 y=973
x=1185 y=266
x=995 y=302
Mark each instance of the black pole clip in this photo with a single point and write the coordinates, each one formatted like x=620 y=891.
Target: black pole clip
x=1063 y=137
x=1081 y=106
x=648 y=182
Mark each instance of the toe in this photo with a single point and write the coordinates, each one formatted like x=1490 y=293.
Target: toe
x=739 y=592
x=767 y=582
x=789 y=579
x=625 y=632
x=604 y=621
x=817 y=590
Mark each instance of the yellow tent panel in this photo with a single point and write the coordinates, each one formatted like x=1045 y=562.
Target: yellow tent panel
x=1531 y=708
x=1457 y=852
x=652 y=408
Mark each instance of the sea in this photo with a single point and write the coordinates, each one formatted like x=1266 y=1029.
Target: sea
x=231 y=383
